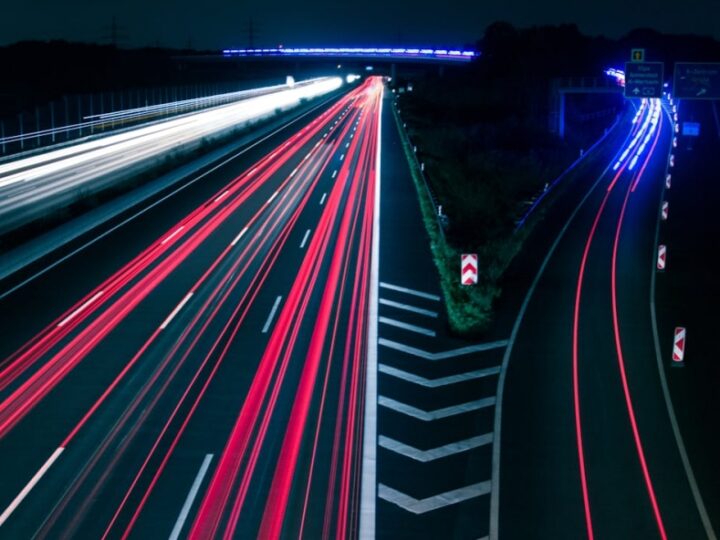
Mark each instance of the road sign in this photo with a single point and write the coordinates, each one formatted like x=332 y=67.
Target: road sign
x=691 y=129
x=696 y=80
x=664 y=213
x=643 y=79
x=678 y=355
x=469 y=268
x=667 y=181
x=662 y=257
x=637 y=55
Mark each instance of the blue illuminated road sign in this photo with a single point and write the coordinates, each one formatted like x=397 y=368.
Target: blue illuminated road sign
x=697 y=80
x=643 y=79
x=691 y=129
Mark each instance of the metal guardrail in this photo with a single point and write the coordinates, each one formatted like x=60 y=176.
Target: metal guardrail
x=421 y=171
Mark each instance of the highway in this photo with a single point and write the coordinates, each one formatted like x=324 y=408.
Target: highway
x=31 y=186
x=588 y=447
x=208 y=380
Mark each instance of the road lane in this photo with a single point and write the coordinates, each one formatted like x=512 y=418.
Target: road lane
x=584 y=427
x=159 y=363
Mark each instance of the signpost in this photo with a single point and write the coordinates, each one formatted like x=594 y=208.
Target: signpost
x=637 y=55
x=696 y=80
x=643 y=79
x=469 y=269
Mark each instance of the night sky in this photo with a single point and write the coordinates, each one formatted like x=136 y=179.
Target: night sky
x=223 y=23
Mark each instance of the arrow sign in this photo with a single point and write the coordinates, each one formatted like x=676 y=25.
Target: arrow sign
x=469 y=268
x=665 y=206
x=697 y=80
x=644 y=79
x=678 y=355
x=662 y=257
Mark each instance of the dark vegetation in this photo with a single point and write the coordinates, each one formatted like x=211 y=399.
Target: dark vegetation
x=484 y=133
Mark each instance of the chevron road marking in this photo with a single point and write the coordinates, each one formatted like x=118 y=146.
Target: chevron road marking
x=434 y=453
x=441 y=381
x=413 y=292
x=437 y=414
x=421 y=506
x=444 y=354
x=408 y=307
x=408 y=327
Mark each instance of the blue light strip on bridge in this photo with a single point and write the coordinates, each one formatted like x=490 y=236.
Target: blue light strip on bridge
x=360 y=52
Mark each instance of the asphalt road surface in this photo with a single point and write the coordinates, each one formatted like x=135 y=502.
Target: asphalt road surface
x=588 y=448
x=211 y=382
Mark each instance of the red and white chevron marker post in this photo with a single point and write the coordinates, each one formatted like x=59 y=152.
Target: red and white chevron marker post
x=662 y=257
x=667 y=181
x=469 y=268
x=664 y=213
x=678 y=355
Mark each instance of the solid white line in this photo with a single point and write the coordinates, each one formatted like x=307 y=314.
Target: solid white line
x=322 y=200
x=408 y=327
x=368 y=489
x=175 y=311
x=437 y=414
x=410 y=291
x=424 y=456
x=305 y=239
x=697 y=496
x=421 y=506
x=444 y=355
x=78 y=310
x=334 y=174
x=180 y=228
x=30 y=485
x=497 y=425
x=441 y=381
x=408 y=307
x=272 y=314
x=239 y=236
x=222 y=196
x=175 y=534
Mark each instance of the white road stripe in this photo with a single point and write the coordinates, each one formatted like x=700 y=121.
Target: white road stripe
x=175 y=311
x=30 y=485
x=421 y=506
x=368 y=482
x=408 y=307
x=441 y=381
x=180 y=228
x=437 y=414
x=221 y=196
x=78 y=310
x=239 y=236
x=272 y=315
x=347 y=145
x=444 y=354
x=305 y=239
x=322 y=200
x=425 y=456
x=408 y=327
x=410 y=291
x=342 y=156
x=272 y=197
x=334 y=174
x=175 y=534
